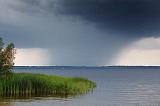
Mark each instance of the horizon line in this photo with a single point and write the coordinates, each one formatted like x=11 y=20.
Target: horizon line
x=87 y=66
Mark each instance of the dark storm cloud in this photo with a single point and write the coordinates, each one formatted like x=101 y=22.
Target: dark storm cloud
x=80 y=32
x=132 y=18
x=36 y=6
x=125 y=17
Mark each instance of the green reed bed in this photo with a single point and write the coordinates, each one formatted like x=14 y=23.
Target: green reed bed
x=26 y=84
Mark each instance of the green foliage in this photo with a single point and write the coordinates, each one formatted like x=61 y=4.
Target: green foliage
x=1 y=44
x=27 y=85
x=6 y=57
x=23 y=84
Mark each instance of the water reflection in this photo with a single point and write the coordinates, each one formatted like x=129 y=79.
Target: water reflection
x=115 y=87
x=5 y=102
x=33 y=101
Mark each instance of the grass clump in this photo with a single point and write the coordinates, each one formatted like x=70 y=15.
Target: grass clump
x=27 y=84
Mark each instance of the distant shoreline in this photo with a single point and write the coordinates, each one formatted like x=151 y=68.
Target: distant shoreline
x=86 y=67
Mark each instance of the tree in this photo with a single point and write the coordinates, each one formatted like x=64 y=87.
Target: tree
x=7 y=56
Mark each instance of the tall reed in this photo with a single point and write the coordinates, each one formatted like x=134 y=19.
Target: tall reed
x=27 y=84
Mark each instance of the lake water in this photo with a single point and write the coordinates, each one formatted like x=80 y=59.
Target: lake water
x=116 y=86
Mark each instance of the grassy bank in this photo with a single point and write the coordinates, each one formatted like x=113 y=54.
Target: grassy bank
x=25 y=84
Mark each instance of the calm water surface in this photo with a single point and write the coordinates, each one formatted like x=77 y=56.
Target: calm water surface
x=116 y=86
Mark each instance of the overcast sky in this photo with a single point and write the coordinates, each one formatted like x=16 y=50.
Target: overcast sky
x=82 y=32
